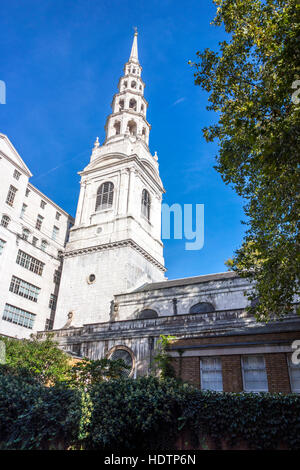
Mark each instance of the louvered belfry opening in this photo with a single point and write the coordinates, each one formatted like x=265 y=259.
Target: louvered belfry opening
x=105 y=196
x=146 y=204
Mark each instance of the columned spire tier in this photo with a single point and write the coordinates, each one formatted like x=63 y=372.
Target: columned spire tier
x=129 y=107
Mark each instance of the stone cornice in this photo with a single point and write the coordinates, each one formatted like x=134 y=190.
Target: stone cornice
x=118 y=244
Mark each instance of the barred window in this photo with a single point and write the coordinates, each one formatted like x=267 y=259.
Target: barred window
x=17 y=174
x=146 y=204
x=52 y=302
x=23 y=210
x=27 y=192
x=24 y=289
x=294 y=372
x=18 y=316
x=55 y=232
x=25 y=234
x=43 y=204
x=57 y=216
x=30 y=263
x=5 y=221
x=211 y=374
x=56 y=276
x=254 y=374
x=39 y=222
x=49 y=324
x=105 y=195
x=11 y=195
x=44 y=244
x=2 y=243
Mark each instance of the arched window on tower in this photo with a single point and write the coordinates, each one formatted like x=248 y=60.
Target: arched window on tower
x=147 y=313
x=142 y=108
x=132 y=104
x=125 y=84
x=121 y=105
x=105 y=196
x=202 y=307
x=117 y=127
x=146 y=203
x=144 y=132
x=133 y=84
x=131 y=127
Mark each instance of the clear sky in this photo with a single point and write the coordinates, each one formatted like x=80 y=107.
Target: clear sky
x=61 y=61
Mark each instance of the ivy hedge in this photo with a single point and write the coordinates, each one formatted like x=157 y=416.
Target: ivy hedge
x=143 y=414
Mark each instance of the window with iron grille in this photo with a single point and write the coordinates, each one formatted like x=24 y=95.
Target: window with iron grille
x=44 y=244
x=2 y=243
x=25 y=234
x=254 y=374
x=43 y=204
x=105 y=195
x=11 y=195
x=17 y=174
x=5 y=221
x=120 y=353
x=24 y=289
x=294 y=372
x=52 y=302
x=18 y=316
x=56 y=276
x=39 y=222
x=57 y=215
x=30 y=263
x=27 y=192
x=49 y=324
x=211 y=374
x=55 y=232
x=146 y=204
x=23 y=210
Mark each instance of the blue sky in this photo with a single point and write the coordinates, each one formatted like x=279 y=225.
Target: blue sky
x=61 y=61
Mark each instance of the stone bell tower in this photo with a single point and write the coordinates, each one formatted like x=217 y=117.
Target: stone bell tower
x=115 y=244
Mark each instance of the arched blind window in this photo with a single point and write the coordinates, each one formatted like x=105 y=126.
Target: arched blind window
x=146 y=204
x=105 y=196
x=202 y=307
x=147 y=313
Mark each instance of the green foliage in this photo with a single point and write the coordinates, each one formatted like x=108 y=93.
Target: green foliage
x=140 y=415
x=41 y=359
x=33 y=416
x=250 y=81
x=87 y=373
x=161 y=360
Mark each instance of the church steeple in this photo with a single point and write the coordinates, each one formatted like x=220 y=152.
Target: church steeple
x=129 y=107
x=134 y=49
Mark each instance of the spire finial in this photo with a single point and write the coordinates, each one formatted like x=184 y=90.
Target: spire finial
x=96 y=144
x=134 y=49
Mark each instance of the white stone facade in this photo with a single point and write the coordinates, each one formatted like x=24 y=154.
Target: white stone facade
x=29 y=292
x=118 y=242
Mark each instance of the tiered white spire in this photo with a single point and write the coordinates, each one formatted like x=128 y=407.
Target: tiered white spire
x=129 y=107
x=134 y=50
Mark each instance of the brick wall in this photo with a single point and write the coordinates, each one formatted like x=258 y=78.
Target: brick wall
x=188 y=368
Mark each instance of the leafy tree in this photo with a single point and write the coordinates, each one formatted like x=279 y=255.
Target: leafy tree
x=88 y=372
x=40 y=359
x=252 y=82
x=162 y=361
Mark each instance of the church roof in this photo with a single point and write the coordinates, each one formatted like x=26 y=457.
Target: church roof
x=186 y=281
